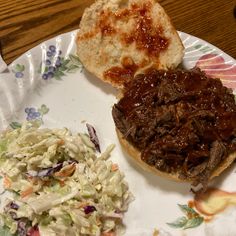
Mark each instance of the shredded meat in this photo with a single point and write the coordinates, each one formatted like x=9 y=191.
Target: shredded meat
x=181 y=121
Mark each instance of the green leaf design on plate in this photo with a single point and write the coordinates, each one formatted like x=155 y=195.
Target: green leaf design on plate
x=5 y=231
x=206 y=49
x=40 y=68
x=15 y=125
x=63 y=68
x=198 y=46
x=179 y=223
x=72 y=68
x=193 y=223
x=65 y=61
x=186 y=209
x=43 y=109
x=38 y=122
x=75 y=60
x=191 y=220
x=19 y=68
x=57 y=77
x=58 y=74
x=46 y=69
x=202 y=48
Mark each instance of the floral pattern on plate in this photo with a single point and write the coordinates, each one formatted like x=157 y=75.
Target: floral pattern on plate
x=56 y=66
x=203 y=48
x=18 y=70
x=36 y=114
x=214 y=65
x=32 y=114
x=191 y=219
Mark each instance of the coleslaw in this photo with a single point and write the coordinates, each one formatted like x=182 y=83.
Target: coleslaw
x=59 y=185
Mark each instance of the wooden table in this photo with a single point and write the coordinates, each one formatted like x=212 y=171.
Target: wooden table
x=26 y=23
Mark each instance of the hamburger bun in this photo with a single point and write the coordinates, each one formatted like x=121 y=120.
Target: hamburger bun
x=135 y=155
x=185 y=136
x=120 y=38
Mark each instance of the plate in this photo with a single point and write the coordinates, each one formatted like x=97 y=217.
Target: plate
x=49 y=84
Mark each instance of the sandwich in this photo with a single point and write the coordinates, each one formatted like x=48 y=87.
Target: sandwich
x=178 y=124
x=175 y=123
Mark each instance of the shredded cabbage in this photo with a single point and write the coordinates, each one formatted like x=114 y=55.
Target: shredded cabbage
x=59 y=184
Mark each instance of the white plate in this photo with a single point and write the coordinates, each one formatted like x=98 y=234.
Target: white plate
x=75 y=96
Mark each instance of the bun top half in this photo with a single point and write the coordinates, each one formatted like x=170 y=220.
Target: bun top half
x=121 y=38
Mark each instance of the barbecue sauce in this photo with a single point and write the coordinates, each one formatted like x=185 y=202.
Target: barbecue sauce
x=181 y=121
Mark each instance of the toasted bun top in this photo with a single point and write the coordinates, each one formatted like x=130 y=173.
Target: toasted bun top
x=119 y=38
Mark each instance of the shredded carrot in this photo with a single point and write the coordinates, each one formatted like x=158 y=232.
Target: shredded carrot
x=7 y=182
x=46 y=183
x=65 y=172
x=62 y=183
x=114 y=167
x=27 y=192
x=81 y=205
x=30 y=178
x=111 y=233
x=61 y=142
x=33 y=180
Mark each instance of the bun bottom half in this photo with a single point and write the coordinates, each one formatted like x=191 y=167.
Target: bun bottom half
x=135 y=154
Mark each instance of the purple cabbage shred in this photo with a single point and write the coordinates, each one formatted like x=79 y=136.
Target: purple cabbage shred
x=22 y=227
x=72 y=161
x=89 y=209
x=46 y=172
x=93 y=136
x=14 y=206
x=13 y=215
x=11 y=206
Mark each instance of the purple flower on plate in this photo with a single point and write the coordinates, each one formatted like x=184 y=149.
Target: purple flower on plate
x=51 y=68
x=49 y=54
x=50 y=75
x=45 y=76
x=18 y=71
x=58 y=62
x=48 y=62
x=52 y=51
x=56 y=66
x=19 y=75
x=36 y=114
x=32 y=114
x=52 y=48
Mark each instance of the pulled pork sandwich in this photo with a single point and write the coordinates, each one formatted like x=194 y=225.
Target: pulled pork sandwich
x=178 y=124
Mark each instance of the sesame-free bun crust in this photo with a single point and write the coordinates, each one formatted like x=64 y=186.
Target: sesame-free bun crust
x=110 y=43
x=135 y=154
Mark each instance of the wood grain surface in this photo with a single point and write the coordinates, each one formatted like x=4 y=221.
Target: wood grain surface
x=26 y=23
